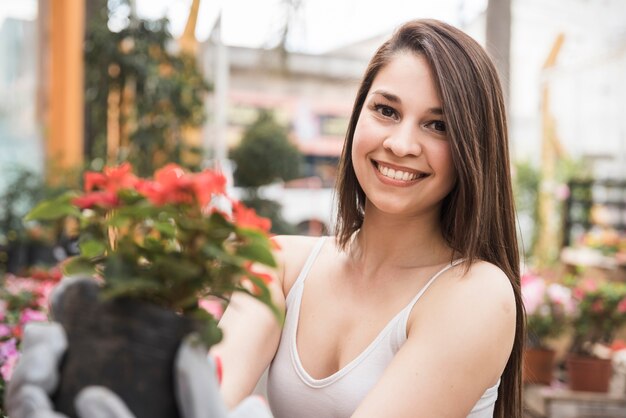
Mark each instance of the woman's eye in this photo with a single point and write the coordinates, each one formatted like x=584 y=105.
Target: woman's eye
x=386 y=111
x=438 y=125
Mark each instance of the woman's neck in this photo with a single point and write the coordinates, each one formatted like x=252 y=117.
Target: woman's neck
x=393 y=242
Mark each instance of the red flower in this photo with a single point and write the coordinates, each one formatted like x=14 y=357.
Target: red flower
x=597 y=306
x=275 y=244
x=618 y=345
x=207 y=184
x=170 y=185
x=265 y=277
x=621 y=306
x=53 y=275
x=248 y=218
x=17 y=332
x=103 y=199
x=112 y=180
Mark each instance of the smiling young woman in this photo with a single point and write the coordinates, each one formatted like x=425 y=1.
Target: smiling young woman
x=413 y=308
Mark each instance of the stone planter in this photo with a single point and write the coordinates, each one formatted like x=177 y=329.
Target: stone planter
x=589 y=374
x=125 y=345
x=538 y=366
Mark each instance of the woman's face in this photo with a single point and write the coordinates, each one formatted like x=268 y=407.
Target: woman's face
x=401 y=151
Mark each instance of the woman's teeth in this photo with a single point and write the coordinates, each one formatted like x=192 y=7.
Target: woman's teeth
x=396 y=174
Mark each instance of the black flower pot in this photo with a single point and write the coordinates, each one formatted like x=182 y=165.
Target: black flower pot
x=125 y=345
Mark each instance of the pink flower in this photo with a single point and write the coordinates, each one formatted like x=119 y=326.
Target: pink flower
x=587 y=286
x=562 y=192
x=8 y=358
x=621 y=306
x=5 y=330
x=561 y=295
x=212 y=306
x=30 y=315
x=533 y=292
x=3 y=309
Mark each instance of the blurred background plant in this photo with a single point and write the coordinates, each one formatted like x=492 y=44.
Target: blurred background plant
x=599 y=313
x=548 y=307
x=264 y=156
x=21 y=301
x=157 y=93
x=28 y=244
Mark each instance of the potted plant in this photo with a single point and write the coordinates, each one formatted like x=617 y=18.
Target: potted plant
x=600 y=310
x=156 y=248
x=548 y=306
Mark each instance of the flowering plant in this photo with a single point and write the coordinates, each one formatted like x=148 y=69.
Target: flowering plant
x=172 y=240
x=22 y=300
x=547 y=308
x=600 y=310
x=607 y=241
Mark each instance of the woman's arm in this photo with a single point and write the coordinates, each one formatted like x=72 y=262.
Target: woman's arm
x=251 y=331
x=457 y=347
x=251 y=337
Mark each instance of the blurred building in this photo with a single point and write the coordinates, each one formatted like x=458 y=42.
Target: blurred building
x=20 y=141
x=311 y=95
x=587 y=85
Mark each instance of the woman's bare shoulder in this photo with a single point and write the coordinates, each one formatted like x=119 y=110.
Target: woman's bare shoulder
x=291 y=254
x=482 y=295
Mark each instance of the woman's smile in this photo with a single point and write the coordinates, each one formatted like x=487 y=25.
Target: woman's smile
x=397 y=176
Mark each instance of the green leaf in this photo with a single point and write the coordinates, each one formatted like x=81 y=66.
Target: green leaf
x=264 y=296
x=219 y=228
x=177 y=270
x=118 y=219
x=54 y=209
x=257 y=252
x=131 y=288
x=209 y=332
x=117 y=268
x=91 y=248
x=79 y=265
x=166 y=228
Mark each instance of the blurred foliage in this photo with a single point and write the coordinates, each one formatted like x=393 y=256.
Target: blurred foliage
x=526 y=191
x=160 y=93
x=264 y=156
x=527 y=182
x=271 y=209
x=22 y=245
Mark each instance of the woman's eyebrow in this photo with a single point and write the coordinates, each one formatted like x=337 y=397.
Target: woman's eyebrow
x=395 y=99
x=389 y=96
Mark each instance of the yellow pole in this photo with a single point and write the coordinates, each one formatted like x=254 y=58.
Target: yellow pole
x=64 y=145
x=188 y=42
x=189 y=46
x=548 y=243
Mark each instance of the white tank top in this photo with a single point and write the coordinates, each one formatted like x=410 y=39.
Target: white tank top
x=293 y=393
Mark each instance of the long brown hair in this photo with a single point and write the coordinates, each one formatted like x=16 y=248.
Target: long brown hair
x=478 y=215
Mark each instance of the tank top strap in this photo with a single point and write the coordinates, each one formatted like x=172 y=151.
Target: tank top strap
x=308 y=264
x=423 y=290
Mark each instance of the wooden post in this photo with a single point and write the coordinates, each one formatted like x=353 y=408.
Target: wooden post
x=548 y=242
x=64 y=144
x=189 y=45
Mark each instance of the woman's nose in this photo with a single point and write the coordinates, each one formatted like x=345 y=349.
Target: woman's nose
x=403 y=141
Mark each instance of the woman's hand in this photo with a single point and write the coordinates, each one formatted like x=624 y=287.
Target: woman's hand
x=36 y=377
